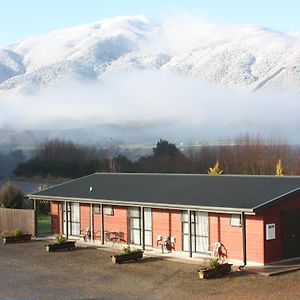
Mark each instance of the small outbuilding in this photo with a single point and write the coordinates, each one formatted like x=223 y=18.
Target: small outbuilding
x=255 y=218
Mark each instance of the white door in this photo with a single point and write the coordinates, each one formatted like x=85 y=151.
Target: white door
x=148 y=226
x=199 y=231
x=73 y=212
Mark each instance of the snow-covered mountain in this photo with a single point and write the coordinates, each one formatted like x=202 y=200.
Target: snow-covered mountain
x=245 y=57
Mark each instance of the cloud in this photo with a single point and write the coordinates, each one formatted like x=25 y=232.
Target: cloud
x=167 y=103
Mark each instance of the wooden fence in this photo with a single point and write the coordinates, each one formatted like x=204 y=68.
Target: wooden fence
x=11 y=219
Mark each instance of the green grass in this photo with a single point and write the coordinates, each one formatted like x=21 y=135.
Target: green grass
x=44 y=224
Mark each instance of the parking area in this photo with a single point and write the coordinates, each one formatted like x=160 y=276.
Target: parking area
x=28 y=272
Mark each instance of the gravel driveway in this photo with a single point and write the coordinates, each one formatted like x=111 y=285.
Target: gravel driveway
x=29 y=272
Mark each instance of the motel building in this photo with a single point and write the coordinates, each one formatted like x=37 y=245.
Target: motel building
x=256 y=218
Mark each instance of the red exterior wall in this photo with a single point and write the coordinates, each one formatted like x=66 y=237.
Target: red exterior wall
x=273 y=248
x=118 y=221
x=231 y=237
x=55 y=213
x=167 y=222
x=97 y=226
x=255 y=238
x=85 y=217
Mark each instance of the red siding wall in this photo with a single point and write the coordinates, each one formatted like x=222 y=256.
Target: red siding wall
x=167 y=222
x=55 y=218
x=85 y=219
x=97 y=226
x=118 y=222
x=273 y=248
x=231 y=237
x=255 y=238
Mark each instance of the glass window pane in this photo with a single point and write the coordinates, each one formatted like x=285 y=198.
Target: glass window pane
x=185 y=228
x=201 y=223
x=135 y=237
x=134 y=212
x=148 y=238
x=135 y=223
x=147 y=219
x=185 y=243
x=184 y=216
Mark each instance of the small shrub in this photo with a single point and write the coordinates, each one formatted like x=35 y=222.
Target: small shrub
x=17 y=232
x=59 y=239
x=126 y=250
x=213 y=263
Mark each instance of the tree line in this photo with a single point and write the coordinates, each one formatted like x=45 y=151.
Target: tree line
x=253 y=155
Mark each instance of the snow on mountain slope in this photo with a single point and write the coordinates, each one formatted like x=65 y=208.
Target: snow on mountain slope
x=245 y=57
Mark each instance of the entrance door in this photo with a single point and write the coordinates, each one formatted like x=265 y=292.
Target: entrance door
x=134 y=217
x=72 y=210
x=291 y=233
x=199 y=227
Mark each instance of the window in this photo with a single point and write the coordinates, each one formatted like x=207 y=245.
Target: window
x=134 y=225
x=96 y=209
x=72 y=212
x=199 y=231
x=235 y=220
x=108 y=210
x=148 y=226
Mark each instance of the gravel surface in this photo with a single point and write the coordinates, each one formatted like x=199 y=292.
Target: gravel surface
x=28 y=272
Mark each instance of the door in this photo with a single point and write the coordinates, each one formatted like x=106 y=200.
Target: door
x=291 y=233
x=72 y=210
x=148 y=226
x=134 y=217
x=199 y=231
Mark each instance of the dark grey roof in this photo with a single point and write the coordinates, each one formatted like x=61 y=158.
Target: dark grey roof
x=212 y=191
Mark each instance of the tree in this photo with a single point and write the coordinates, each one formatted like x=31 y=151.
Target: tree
x=43 y=206
x=11 y=197
x=215 y=170
x=279 y=168
x=164 y=148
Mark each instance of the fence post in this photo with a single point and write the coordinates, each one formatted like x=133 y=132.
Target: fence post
x=35 y=218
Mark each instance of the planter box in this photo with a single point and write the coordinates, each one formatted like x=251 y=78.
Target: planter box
x=117 y=259
x=219 y=271
x=16 y=239
x=69 y=245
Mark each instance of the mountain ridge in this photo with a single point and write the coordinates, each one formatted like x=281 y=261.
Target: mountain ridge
x=245 y=57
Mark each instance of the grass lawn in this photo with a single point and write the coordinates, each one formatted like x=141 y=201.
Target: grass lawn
x=44 y=224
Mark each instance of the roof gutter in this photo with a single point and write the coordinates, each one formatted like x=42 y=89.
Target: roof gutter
x=227 y=210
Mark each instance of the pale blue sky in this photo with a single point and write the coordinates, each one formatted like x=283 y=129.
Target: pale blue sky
x=22 y=18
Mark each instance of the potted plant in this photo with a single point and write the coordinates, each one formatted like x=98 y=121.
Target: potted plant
x=15 y=236
x=127 y=254
x=61 y=243
x=214 y=269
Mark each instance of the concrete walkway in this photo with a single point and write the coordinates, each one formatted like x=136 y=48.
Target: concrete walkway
x=273 y=269
x=278 y=268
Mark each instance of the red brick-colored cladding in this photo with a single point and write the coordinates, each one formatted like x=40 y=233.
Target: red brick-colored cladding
x=118 y=222
x=55 y=213
x=274 y=248
x=167 y=222
x=85 y=217
x=97 y=226
x=231 y=237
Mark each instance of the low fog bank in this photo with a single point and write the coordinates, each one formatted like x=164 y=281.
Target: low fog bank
x=143 y=106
